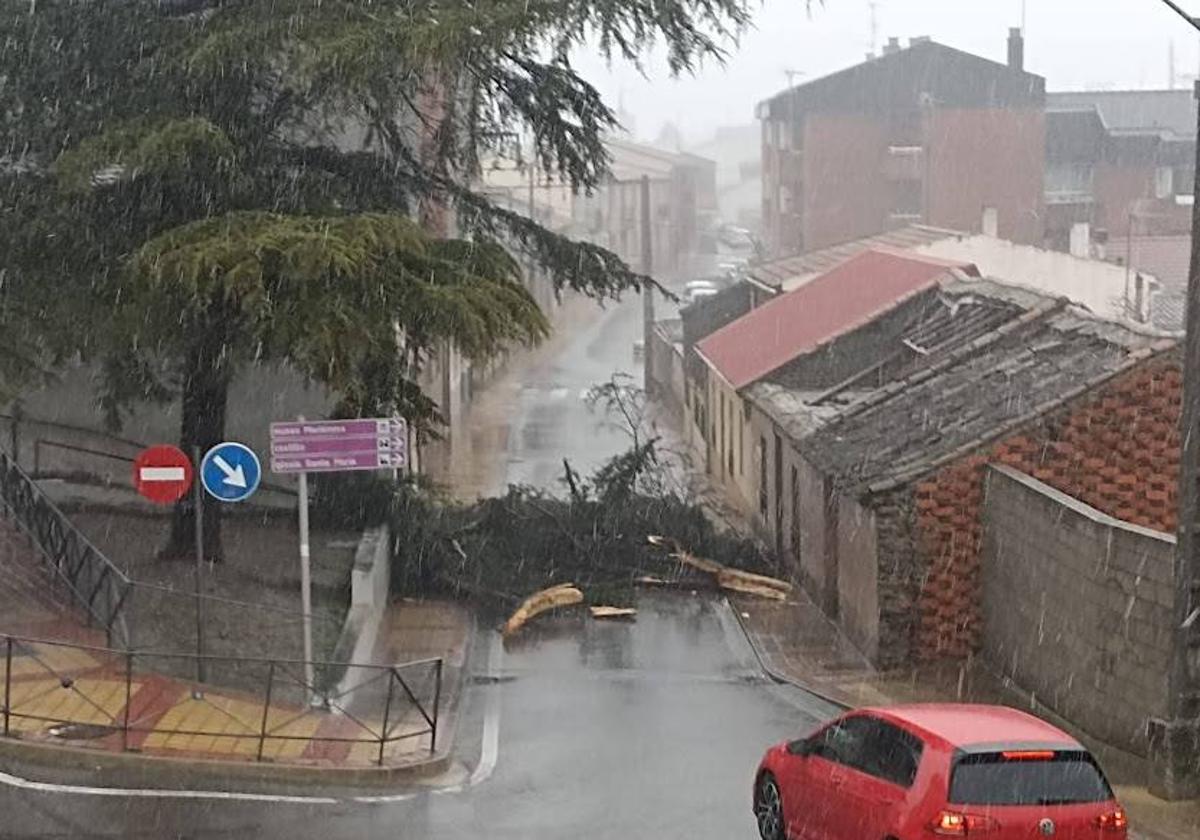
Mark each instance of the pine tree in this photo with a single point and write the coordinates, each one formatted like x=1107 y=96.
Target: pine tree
x=182 y=196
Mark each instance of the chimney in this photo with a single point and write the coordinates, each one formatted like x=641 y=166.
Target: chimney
x=892 y=46
x=1081 y=240
x=991 y=222
x=1016 y=49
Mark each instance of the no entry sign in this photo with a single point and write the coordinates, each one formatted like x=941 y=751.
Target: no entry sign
x=163 y=474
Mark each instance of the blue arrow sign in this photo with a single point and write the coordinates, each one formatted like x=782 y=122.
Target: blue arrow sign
x=230 y=472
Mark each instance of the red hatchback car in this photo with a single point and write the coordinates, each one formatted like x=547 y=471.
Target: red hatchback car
x=931 y=771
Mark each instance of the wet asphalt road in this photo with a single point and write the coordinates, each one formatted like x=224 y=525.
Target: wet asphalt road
x=650 y=729
x=551 y=418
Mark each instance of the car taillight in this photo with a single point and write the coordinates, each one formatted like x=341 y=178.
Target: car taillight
x=1115 y=820
x=955 y=824
x=1028 y=755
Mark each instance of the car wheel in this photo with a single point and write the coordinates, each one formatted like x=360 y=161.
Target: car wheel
x=768 y=809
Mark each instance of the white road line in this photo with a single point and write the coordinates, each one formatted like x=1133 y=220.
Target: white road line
x=150 y=793
x=558 y=394
x=489 y=754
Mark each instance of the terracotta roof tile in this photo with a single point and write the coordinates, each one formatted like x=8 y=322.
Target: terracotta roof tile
x=799 y=321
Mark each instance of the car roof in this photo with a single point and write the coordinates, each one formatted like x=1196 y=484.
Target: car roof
x=966 y=724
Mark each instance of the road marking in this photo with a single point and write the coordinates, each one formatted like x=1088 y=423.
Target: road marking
x=558 y=394
x=150 y=793
x=489 y=754
x=162 y=473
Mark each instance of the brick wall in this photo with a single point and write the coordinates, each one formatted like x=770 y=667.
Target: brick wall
x=1117 y=449
x=986 y=157
x=1116 y=187
x=844 y=195
x=1102 y=662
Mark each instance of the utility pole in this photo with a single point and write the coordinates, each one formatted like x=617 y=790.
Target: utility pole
x=647 y=289
x=1175 y=742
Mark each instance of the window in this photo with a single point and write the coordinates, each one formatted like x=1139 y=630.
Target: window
x=721 y=417
x=1020 y=777
x=908 y=198
x=794 y=537
x=895 y=755
x=1183 y=179
x=846 y=741
x=874 y=747
x=1163 y=182
x=1064 y=181
x=729 y=426
x=741 y=444
x=762 y=477
x=787 y=204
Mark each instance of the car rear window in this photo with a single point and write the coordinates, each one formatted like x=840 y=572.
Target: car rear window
x=1022 y=777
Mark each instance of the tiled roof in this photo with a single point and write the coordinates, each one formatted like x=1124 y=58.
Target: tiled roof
x=981 y=390
x=965 y=310
x=789 y=271
x=806 y=318
x=899 y=80
x=1168 y=110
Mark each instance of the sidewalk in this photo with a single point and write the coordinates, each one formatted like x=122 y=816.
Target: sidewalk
x=798 y=643
x=70 y=695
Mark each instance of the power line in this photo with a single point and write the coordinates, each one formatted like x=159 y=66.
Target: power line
x=1195 y=22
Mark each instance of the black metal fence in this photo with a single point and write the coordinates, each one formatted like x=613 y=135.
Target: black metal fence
x=97 y=585
x=89 y=696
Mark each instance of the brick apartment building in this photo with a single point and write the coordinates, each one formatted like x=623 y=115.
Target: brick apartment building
x=1118 y=162
x=924 y=134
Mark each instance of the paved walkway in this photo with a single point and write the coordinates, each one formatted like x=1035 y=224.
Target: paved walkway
x=77 y=696
x=798 y=643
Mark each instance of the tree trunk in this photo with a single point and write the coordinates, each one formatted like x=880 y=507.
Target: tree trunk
x=205 y=397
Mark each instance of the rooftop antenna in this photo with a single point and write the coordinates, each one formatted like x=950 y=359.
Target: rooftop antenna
x=874 y=5
x=1023 y=16
x=1171 y=64
x=791 y=74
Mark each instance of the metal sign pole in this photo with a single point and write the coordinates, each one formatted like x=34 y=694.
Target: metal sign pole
x=199 y=494
x=306 y=582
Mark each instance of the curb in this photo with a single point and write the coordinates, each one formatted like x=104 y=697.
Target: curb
x=454 y=705
x=776 y=675
x=167 y=773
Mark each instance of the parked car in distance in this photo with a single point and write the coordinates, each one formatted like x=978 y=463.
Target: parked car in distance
x=933 y=771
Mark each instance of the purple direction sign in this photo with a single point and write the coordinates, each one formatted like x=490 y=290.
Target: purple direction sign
x=335 y=445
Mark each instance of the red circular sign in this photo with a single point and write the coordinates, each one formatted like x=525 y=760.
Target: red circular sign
x=163 y=474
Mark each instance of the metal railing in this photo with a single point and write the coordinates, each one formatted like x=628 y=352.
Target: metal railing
x=98 y=585
x=89 y=696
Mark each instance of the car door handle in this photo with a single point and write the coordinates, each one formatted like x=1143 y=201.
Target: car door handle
x=837 y=779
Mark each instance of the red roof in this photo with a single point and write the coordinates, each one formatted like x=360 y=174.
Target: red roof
x=797 y=322
x=964 y=724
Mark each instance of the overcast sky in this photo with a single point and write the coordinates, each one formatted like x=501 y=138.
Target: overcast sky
x=1072 y=43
